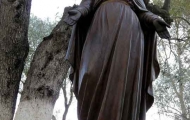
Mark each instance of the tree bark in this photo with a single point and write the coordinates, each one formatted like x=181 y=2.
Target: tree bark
x=45 y=76
x=14 y=21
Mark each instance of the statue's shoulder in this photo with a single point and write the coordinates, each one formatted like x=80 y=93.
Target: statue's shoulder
x=140 y=5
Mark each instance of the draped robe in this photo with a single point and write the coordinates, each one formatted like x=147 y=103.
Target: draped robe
x=113 y=62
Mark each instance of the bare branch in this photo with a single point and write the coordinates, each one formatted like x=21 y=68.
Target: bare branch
x=67 y=105
x=170 y=107
x=177 y=39
x=71 y=99
x=188 y=22
x=53 y=117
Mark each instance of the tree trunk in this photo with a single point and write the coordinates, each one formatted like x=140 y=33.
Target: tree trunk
x=14 y=21
x=45 y=76
x=166 y=5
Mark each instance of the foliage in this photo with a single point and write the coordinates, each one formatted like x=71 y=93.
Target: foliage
x=172 y=88
x=38 y=29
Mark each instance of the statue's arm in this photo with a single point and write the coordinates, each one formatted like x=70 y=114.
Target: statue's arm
x=150 y=20
x=85 y=7
x=80 y=11
x=140 y=5
x=146 y=17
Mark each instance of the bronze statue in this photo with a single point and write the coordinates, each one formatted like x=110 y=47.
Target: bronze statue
x=112 y=52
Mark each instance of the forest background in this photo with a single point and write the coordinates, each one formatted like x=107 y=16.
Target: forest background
x=46 y=28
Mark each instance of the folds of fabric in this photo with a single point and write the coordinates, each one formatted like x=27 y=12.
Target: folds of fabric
x=113 y=65
x=111 y=68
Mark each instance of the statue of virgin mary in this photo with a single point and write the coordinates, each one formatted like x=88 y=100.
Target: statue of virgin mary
x=112 y=52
